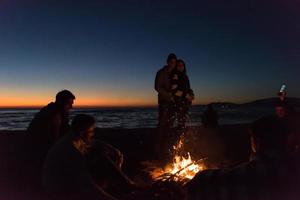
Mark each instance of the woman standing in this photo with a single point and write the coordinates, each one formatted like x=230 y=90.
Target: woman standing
x=182 y=93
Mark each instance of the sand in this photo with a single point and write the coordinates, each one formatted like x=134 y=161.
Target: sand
x=227 y=146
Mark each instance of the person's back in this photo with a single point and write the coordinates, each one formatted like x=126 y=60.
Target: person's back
x=46 y=126
x=51 y=122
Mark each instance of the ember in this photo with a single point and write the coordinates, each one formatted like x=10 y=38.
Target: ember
x=182 y=169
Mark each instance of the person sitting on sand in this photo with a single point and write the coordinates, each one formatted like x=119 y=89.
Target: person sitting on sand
x=182 y=93
x=52 y=121
x=210 y=117
x=272 y=173
x=65 y=172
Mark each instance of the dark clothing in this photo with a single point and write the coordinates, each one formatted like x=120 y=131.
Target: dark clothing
x=166 y=120
x=180 y=83
x=210 y=118
x=270 y=177
x=65 y=173
x=292 y=122
x=182 y=115
x=163 y=86
x=165 y=109
x=48 y=125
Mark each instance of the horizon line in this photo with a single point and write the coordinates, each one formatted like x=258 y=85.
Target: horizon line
x=122 y=106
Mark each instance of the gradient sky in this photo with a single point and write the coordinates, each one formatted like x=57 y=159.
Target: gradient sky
x=108 y=52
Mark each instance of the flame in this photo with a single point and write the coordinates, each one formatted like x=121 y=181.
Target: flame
x=182 y=169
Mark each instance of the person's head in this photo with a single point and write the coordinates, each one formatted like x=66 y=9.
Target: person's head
x=280 y=109
x=283 y=109
x=181 y=66
x=269 y=133
x=171 y=61
x=83 y=127
x=282 y=95
x=65 y=99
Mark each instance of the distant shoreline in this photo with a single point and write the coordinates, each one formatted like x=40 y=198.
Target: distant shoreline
x=295 y=101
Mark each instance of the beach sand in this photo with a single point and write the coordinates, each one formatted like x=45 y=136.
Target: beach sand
x=228 y=146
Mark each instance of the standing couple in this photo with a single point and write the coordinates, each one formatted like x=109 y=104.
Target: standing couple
x=174 y=99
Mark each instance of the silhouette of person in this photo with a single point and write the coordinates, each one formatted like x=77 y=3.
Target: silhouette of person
x=210 y=117
x=272 y=172
x=289 y=115
x=52 y=121
x=165 y=106
x=182 y=93
x=47 y=126
x=65 y=172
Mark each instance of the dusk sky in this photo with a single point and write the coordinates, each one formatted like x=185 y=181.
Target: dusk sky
x=108 y=52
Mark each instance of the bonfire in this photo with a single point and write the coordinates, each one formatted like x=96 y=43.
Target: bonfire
x=182 y=168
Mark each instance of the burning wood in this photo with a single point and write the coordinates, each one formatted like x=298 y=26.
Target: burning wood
x=182 y=169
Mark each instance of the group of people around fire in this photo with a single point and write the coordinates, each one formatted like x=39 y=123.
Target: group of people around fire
x=74 y=165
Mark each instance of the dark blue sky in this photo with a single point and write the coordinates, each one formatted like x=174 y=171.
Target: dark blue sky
x=108 y=52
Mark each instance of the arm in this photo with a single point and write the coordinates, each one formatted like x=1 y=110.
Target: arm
x=115 y=166
x=191 y=95
x=159 y=86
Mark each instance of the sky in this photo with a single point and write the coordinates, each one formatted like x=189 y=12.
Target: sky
x=108 y=52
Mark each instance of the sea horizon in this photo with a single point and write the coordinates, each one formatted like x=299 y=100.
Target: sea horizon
x=134 y=117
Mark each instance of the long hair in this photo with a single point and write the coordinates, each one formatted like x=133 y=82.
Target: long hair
x=181 y=61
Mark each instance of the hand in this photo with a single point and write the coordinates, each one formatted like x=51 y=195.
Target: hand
x=179 y=93
x=190 y=97
x=174 y=86
x=171 y=97
x=175 y=77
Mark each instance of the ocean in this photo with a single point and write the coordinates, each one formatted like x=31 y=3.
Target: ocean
x=130 y=118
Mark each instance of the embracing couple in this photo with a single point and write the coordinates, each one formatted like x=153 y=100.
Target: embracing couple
x=174 y=97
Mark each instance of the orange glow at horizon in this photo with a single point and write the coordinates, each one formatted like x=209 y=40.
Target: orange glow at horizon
x=79 y=102
x=35 y=101
x=22 y=97
x=84 y=98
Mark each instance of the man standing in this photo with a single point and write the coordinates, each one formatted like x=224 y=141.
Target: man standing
x=165 y=105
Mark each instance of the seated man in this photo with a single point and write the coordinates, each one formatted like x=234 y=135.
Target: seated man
x=51 y=122
x=65 y=172
x=272 y=173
